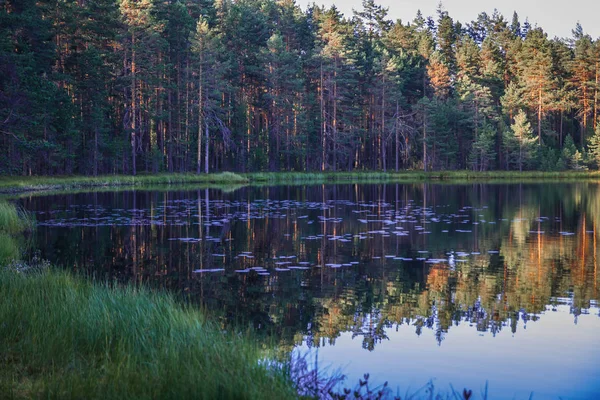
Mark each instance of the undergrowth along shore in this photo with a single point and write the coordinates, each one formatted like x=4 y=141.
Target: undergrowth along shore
x=13 y=222
x=46 y=183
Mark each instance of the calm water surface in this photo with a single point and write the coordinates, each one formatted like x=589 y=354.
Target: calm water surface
x=454 y=284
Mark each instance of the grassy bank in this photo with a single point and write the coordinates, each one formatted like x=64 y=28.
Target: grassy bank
x=39 y=183
x=13 y=223
x=64 y=337
x=34 y=183
x=417 y=176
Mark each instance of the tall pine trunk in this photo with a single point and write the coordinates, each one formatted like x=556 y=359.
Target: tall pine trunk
x=206 y=144
x=335 y=115
x=133 y=104
x=396 y=137
x=323 y=124
x=200 y=115
x=540 y=116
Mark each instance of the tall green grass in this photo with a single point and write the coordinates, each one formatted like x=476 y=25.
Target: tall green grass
x=64 y=337
x=13 y=220
x=9 y=249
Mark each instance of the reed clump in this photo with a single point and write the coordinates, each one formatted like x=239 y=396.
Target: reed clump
x=13 y=220
x=13 y=223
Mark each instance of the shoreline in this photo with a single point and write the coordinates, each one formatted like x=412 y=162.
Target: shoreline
x=19 y=184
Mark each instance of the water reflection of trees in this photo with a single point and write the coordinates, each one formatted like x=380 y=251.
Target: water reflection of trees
x=490 y=291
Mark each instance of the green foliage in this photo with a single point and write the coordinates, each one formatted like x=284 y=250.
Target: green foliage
x=483 y=153
x=571 y=157
x=594 y=147
x=520 y=143
x=13 y=220
x=9 y=249
x=13 y=224
x=549 y=159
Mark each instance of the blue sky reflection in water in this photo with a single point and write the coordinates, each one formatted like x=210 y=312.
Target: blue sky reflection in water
x=465 y=266
x=553 y=357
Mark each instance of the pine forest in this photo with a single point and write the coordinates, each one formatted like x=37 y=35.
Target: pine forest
x=95 y=87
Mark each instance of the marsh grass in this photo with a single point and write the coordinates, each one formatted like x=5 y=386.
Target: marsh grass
x=14 y=220
x=184 y=187
x=13 y=223
x=9 y=249
x=12 y=185
x=416 y=176
x=64 y=337
x=22 y=184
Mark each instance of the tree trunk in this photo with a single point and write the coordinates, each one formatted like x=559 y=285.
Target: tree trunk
x=560 y=138
x=187 y=112
x=170 y=155
x=133 y=105
x=424 y=140
x=424 y=129
x=476 y=125
x=596 y=94
x=540 y=117
x=323 y=124
x=206 y=144
x=520 y=153
x=383 y=149
x=200 y=111
x=96 y=150
x=334 y=122
x=396 y=137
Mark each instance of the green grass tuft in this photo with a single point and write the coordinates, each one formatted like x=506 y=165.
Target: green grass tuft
x=13 y=220
x=9 y=250
x=64 y=337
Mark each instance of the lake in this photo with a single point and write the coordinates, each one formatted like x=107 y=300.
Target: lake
x=412 y=283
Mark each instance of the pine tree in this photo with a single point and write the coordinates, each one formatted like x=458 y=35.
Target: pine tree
x=120 y=86
x=518 y=142
x=583 y=75
x=594 y=146
x=483 y=152
x=439 y=76
x=536 y=76
x=570 y=156
x=515 y=25
x=336 y=79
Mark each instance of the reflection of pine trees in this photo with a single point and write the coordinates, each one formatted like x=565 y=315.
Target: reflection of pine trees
x=490 y=292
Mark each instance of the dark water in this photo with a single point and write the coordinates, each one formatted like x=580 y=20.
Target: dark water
x=458 y=284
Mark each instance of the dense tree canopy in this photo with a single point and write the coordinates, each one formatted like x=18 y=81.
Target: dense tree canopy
x=124 y=86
